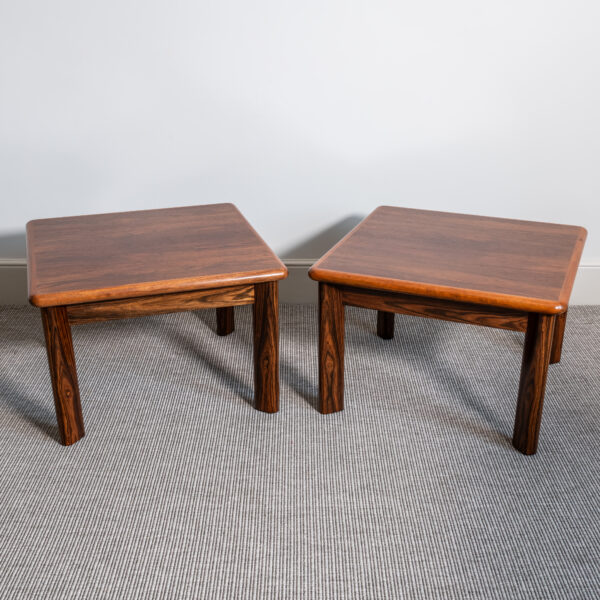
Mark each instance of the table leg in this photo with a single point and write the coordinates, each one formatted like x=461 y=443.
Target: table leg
x=63 y=372
x=385 y=324
x=225 y=320
x=557 y=339
x=331 y=349
x=534 y=369
x=266 y=347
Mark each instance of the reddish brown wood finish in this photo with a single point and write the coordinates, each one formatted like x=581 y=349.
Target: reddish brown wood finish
x=534 y=370
x=264 y=296
x=63 y=373
x=266 y=347
x=501 y=273
x=447 y=310
x=225 y=320
x=93 y=258
x=385 y=324
x=227 y=297
x=331 y=349
x=113 y=266
x=557 y=338
x=521 y=265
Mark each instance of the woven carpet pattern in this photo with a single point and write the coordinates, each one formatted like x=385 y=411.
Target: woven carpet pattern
x=180 y=489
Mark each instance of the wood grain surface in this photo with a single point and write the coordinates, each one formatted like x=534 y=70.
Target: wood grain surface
x=447 y=310
x=266 y=346
x=331 y=349
x=522 y=265
x=166 y=303
x=63 y=373
x=532 y=386
x=92 y=258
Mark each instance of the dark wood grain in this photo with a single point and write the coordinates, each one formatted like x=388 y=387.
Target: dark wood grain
x=226 y=320
x=93 y=258
x=63 y=373
x=167 y=303
x=331 y=349
x=385 y=324
x=500 y=273
x=447 y=310
x=557 y=338
x=534 y=370
x=521 y=265
x=121 y=265
x=266 y=346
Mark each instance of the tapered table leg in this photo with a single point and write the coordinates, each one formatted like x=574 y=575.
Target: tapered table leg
x=331 y=349
x=557 y=338
x=225 y=320
x=63 y=372
x=266 y=347
x=534 y=369
x=385 y=324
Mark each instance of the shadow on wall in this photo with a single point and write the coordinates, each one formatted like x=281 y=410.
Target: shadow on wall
x=315 y=246
x=298 y=288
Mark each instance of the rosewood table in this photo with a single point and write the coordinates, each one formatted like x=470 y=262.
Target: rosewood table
x=500 y=273
x=131 y=264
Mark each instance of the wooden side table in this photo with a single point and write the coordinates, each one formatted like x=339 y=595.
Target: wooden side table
x=502 y=273
x=131 y=264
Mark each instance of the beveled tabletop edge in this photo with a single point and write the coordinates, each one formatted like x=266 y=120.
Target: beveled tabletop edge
x=149 y=288
x=470 y=296
x=524 y=303
x=154 y=288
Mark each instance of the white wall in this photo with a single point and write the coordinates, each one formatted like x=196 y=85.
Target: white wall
x=306 y=114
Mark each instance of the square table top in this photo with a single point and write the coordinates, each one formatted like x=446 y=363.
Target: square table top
x=523 y=265
x=92 y=258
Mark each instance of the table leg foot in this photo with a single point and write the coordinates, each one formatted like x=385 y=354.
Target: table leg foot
x=385 y=325
x=331 y=349
x=557 y=339
x=266 y=347
x=534 y=370
x=63 y=372
x=225 y=320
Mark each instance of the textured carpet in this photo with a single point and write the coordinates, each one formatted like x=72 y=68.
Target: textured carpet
x=180 y=489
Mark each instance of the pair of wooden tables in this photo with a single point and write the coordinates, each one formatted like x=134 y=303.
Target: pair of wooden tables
x=501 y=273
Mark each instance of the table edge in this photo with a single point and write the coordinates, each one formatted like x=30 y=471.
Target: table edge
x=526 y=303
x=522 y=303
x=152 y=288
x=148 y=288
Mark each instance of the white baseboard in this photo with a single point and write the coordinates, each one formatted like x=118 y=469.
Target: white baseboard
x=298 y=288
x=587 y=285
x=13 y=281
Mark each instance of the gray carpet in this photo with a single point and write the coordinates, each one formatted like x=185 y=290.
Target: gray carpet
x=180 y=489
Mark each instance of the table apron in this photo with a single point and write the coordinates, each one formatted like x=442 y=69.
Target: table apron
x=159 y=304
x=436 y=308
